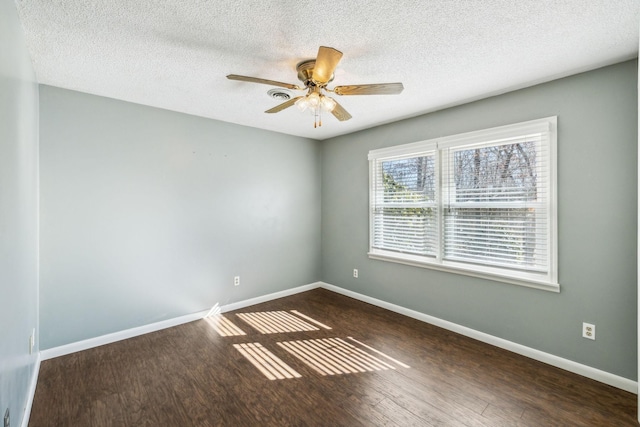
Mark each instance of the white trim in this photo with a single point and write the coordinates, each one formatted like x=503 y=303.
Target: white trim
x=559 y=362
x=31 y=393
x=87 y=344
x=492 y=135
x=63 y=350
x=257 y=300
x=411 y=149
x=481 y=272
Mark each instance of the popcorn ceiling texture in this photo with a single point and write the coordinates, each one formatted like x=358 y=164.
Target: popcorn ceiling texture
x=175 y=54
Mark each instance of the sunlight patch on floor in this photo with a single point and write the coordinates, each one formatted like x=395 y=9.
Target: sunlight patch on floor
x=274 y=322
x=268 y=363
x=224 y=326
x=304 y=316
x=334 y=356
x=404 y=365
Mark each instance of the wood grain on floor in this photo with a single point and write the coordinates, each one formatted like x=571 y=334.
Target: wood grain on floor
x=195 y=375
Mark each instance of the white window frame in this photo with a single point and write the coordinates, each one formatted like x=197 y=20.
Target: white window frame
x=547 y=280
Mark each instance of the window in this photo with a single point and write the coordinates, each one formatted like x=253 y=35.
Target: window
x=481 y=203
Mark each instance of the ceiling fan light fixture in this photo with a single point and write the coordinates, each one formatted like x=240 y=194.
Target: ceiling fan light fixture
x=327 y=103
x=315 y=102
x=302 y=103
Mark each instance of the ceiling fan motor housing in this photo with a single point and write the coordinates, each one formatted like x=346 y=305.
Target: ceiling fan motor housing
x=305 y=72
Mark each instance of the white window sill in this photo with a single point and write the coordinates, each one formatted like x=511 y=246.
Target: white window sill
x=480 y=272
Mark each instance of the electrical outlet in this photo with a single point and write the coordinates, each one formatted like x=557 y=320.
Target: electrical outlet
x=355 y=273
x=589 y=331
x=236 y=281
x=7 y=419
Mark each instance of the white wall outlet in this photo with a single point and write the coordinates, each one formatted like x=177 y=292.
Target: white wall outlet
x=355 y=273
x=236 y=281
x=589 y=331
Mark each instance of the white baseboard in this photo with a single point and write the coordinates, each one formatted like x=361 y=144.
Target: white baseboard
x=63 y=350
x=257 y=300
x=31 y=392
x=559 y=362
x=550 y=359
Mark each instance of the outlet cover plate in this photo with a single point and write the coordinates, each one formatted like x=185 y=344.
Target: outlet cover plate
x=589 y=331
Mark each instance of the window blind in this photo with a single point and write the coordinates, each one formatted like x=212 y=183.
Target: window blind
x=496 y=198
x=483 y=202
x=404 y=210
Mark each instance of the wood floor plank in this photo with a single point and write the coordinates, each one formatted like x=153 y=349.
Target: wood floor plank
x=411 y=394
x=190 y=375
x=404 y=417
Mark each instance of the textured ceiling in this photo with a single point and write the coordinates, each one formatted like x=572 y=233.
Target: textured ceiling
x=175 y=54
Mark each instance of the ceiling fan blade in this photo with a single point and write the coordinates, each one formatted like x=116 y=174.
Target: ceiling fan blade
x=284 y=105
x=263 y=81
x=374 y=89
x=340 y=113
x=326 y=63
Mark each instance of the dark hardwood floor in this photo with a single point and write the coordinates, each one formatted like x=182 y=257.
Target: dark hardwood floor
x=190 y=375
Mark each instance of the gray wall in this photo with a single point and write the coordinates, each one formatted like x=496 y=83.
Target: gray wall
x=18 y=214
x=597 y=186
x=148 y=214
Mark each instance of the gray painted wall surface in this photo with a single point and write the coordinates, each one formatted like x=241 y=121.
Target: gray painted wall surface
x=18 y=214
x=597 y=187
x=148 y=214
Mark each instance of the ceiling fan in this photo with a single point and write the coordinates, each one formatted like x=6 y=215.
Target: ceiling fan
x=316 y=74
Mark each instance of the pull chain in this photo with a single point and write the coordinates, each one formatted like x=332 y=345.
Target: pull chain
x=317 y=118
